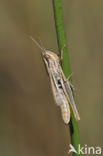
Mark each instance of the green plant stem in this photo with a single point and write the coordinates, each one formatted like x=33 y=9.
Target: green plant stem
x=61 y=38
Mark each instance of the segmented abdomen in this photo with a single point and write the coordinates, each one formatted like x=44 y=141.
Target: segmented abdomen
x=65 y=110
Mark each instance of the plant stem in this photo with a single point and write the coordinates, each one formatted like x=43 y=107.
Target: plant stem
x=61 y=38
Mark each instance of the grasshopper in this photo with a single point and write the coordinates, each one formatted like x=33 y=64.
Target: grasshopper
x=60 y=85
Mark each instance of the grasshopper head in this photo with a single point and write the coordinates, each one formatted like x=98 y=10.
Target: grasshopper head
x=48 y=55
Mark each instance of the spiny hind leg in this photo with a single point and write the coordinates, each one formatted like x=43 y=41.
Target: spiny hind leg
x=69 y=76
x=71 y=85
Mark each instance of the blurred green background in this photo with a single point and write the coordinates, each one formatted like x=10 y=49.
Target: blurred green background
x=30 y=122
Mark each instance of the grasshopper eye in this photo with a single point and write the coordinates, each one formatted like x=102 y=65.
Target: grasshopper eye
x=47 y=56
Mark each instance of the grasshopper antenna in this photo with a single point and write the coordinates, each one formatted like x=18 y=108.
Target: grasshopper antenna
x=41 y=47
